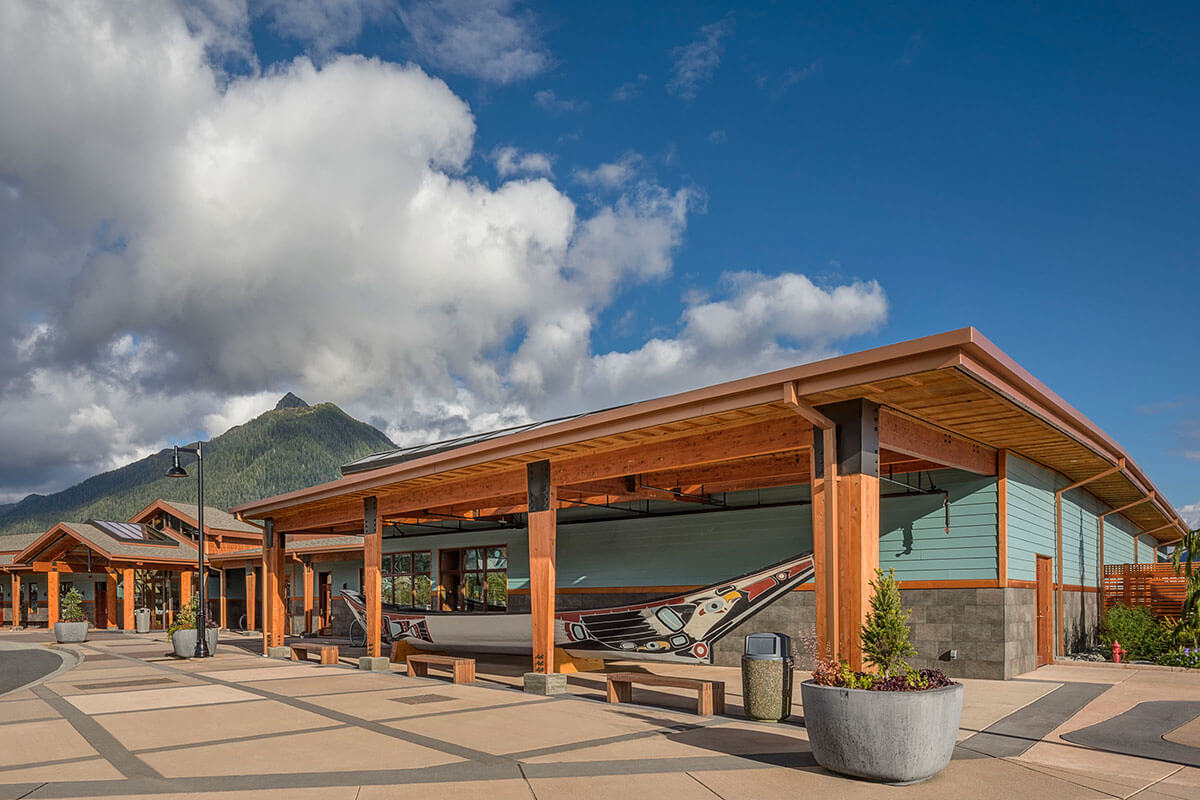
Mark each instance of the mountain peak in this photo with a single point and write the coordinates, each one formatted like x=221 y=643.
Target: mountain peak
x=290 y=400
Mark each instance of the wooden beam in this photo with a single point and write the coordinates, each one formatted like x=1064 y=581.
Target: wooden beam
x=274 y=587
x=16 y=599
x=308 y=596
x=52 y=598
x=222 y=605
x=858 y=558
x=110 y=599
x=342 y=512
x=774 y=435
x=542 y=531
x=372 y=579
x=822 y=433
x=251 y=598
x=129 y=595
x=907 y=435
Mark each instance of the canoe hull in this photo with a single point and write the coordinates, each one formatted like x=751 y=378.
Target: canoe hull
x=681 y=628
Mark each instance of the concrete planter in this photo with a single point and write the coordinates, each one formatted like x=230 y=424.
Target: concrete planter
x=894 y=737
x=184 y=642
x=68 y=632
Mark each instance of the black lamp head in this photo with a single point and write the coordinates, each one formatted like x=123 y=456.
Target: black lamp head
x=176 y=471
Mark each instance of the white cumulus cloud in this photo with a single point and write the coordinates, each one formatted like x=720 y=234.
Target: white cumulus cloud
x=511 y=161
x=179 y=245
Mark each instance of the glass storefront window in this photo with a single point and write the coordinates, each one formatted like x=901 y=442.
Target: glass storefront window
x=407 y=579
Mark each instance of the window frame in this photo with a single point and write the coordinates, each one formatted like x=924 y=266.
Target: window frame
x=388 y=571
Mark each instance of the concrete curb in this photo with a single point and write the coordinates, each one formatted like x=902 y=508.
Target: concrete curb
x=1125 y=665
x=68 y=657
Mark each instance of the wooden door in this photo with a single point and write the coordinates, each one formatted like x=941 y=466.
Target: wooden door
x=1045 y=611
x=101 y=605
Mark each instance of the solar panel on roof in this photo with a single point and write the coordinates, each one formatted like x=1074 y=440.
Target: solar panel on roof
x=128 y=531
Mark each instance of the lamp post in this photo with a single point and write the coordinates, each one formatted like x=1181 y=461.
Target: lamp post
x=176 y=471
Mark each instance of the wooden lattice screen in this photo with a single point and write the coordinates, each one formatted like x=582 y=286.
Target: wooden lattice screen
x=1155 y=586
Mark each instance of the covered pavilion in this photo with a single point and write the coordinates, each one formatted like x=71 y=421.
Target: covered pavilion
x=845 y=432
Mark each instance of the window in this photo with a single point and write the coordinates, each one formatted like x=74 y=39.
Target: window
x=407 y=579
x=475 y=579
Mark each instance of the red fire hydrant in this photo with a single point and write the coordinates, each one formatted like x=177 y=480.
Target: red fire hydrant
x=1118 y=651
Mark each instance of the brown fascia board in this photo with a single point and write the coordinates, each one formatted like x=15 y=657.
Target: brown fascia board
x=251 y=555
x=965 y=349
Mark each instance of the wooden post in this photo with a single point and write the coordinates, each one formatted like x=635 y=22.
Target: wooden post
x=858 y=541
x=52 y=596
x=307 y=576
x=825 y=551
x=127 y=600
x=856 y=486
x=251 y=600
x=542 y=546
x=273 y=586
x=823 y=472
x=16 y=599
x=222 y=610
x=185 y=587
x=372 y=577
x=111 y=598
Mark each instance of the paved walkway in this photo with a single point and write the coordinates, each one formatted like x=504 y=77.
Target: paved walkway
x=131 y=721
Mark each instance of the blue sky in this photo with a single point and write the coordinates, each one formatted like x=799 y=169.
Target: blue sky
x=1025 y=169
x=1029 y=170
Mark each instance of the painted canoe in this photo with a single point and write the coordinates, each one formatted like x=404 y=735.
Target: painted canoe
x=683 y=627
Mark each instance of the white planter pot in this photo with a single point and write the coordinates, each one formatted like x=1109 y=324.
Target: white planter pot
x=894 y=737
x=68 y=632
x=184 y=641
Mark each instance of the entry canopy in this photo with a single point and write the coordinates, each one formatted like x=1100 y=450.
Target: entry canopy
x=949 y=400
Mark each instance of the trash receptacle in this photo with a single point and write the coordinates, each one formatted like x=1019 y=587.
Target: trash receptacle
x=767 y=665
x=141 y=620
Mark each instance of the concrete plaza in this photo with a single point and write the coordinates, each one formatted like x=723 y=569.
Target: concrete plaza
x=131 y=721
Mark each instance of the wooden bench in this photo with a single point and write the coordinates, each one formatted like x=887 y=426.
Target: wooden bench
x=464 y=668
x=329 y=652
x=710 y=695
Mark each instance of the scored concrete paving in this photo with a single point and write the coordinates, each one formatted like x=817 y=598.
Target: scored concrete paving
x=241 y=725
x=1143 y=730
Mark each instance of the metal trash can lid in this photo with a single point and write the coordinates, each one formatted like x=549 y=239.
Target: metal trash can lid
x=768 y=646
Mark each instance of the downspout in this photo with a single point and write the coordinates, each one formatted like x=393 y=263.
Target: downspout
x=1058 y=547
x=791 y=396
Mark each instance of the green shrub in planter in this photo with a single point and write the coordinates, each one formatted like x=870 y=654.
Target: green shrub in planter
x=71 y=607
x=1138 y=631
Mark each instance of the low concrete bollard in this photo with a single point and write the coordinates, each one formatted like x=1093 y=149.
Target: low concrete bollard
x=280 y=652
x=375 y=664
x=541 y=683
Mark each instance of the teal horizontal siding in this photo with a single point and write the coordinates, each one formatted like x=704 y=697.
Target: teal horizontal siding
x=913 y=536
x=1118 y=540
x=1031 y=527
x=1030 y=517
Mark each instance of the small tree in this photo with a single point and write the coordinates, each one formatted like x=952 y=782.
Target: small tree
x=885 y=631
x=1181 y=558
x=71 y=607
